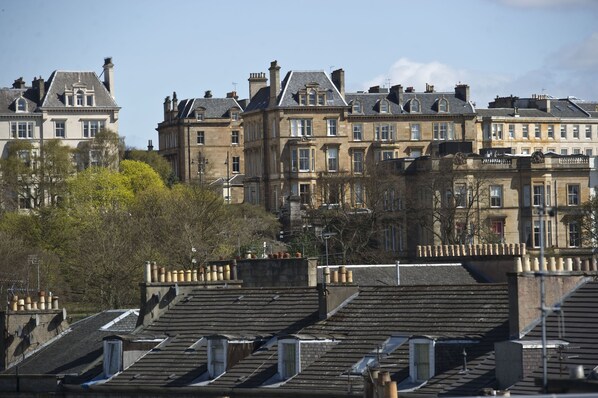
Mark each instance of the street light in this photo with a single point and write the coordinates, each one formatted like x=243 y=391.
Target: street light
x=326 y=236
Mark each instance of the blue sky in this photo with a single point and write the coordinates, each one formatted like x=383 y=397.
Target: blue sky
x=498 y=47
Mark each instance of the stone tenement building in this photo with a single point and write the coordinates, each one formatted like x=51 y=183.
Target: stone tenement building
x=202 y=138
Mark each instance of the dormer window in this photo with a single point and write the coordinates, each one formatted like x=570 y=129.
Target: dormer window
x=113 y=352
x=199 y=115
x=234 y=115
x=321 y=99
x=21 y=105
x=89 y=100
x=442 y=105
x=79 y=98
x=357 y=107
x=311 y=98
x=384 y=106
x=217 y=349
x=414 y=106
x=421 y=359
x=288 y=358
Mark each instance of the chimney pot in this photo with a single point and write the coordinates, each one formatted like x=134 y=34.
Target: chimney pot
x=274 y=82
x=109 y=75
x=208 y=94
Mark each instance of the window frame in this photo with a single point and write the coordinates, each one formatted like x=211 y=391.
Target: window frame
x=356 y=107
x=573 y=234
x=573 y=198
x=200 y=137
x=21 y=103
x=59 y=132
x=415 y=129
x=550 y=131
x=413 y=363
x=331 y=127
x=301 y=127
x=384 y=106
x=90 y=127
x=332 y=165
x=22 y=130
x=235 y=136
x=111 y=367
x=283 y=359
x=358 y=164
x=443 y=106
x=357 y=131
x=211 y=346
x=236 y=164
x=414 y=106
x=496 y=198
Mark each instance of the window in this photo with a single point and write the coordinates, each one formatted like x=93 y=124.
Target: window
x=525 y=151
x=574 y=235
x=69 y=100
x=236 y=164
x=234 y=137
x=89 y=101
x=92 y=127
x=79 y=98
x=311 y=97
x=358 y=192
x=21 y=105
x=321 y=98
x=234 y=116
x=525 y=131
x=200 y=138
x=332 y=159
x=421 y=359
x=537 y=131
x=21 y=129
x=443 y=131
x=216 y=357
x=305 y=194
x=415 y=132
x=59 y=129
x=563 y=131
x=288 y=359
x=538 y=195
x=331 y=127
x=357 y=107
x=199 y=115
x=573 y=194
x=303 y=159
x=536 y=241
x=497 y=131
x=443 y=105
x=576 y=151
x=589 y=152
x=460 y=195
x=112 y=357
x=415 y=105
x=511 y=131
x=393 y=238
x=384 y=155
x=550 y=131
x=383 y=106
x=495 y=196
x=385 y=132
x=576 y=131
x=497 y=227
x=415 y=152
x=564 y=151
x=588 y=131
x=358 y=162
x=357 y=132
x=300 y=127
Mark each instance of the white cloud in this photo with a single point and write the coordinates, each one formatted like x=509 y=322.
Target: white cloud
x=581 y=57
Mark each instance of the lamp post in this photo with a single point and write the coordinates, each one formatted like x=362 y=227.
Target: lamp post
x=227 y=163
x=326 y=236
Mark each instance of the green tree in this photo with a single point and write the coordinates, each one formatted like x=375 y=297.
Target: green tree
x=140 y=176
x=99 y=188
x=104 y=150
x=156 y=161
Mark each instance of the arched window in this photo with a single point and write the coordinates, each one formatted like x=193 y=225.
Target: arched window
x=415 y=105
x=357 y=107
x=384 y=106
x=442 y=105
x=21 y=105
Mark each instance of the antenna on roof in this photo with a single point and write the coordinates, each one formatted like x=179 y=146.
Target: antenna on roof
x=387 y=81
x=331 y=67
x=234 y=86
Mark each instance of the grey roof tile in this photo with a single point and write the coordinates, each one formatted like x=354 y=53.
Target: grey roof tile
x=8 y=97
x=214 y=108
x=60 y=79
x=295 y=81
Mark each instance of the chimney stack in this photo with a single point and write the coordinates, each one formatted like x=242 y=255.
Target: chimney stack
x=338 y=78
x=398 y=93
x=167 y=108
x=19 y=83
x=208 y=94
x=429 y=88
x=150 y=145
x=40 y=88
x=109 y=75
x=257 y=81
x=232 y=94
x=462 y=92
x=274 y=82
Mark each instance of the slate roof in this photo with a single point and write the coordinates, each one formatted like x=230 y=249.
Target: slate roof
x=214 y=108
x=580 y=315
x=8 y=97
x=510 y=112
x=588 y=106
x=293 y=82
x=60 y=79
x=412 y=274
x=428 y=103
x=559 y=108
x=477 y=312
x=80 y=350
x=258 y=313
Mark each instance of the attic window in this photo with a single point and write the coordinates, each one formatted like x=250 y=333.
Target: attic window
x=217 y=357
x=414 y=106
x=89 y=99
x=199 y=115
x=384 y=107
x=79 y=98
x=311 y=97
x=288 y=358
x=21 y=105
x=421 y=359
x=234 y=115
x=357 y=107
x=113 y=351
x=442 y=105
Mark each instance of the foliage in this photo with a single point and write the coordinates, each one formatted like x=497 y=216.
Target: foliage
x=99 y=188
x=157 y=162
x=587 y=220
x=140 y=176
x=104 y=150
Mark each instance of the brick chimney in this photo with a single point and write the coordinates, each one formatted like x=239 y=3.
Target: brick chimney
x=109 y=75
x=338 y=78
x=274 y=82
x=19 y=83
x=232 y=94
x=398 y=93
x=462 y=92
x=40 y=89
x=257 y=81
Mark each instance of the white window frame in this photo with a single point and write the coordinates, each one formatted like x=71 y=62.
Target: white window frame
x=537 y=131
x=356 y=108
x=413 y=365
x=201 y=138
x=211 y=370
x=358 y=132
x=385 y=132
x=236 y=164
x=303 y=160
x=330 y=166
x=576 y=131
x=235 y=136
x=573 y=234
x=573 y=197
x=525 y=131
x=21 y=103
x=22 y=130
x=89 y=125
x=331 y=127
x=56 y=128
x=443 y=106
x=511 y=131
x=281 y=358
x=113 y=357
x=563 y=131
x=384 y=106
x=415 y=129
x=444 y=131
x=588 y=131
x=301 y=127
x=414 y=106
x=496 y=193
x=497 y=131
x=358 y=161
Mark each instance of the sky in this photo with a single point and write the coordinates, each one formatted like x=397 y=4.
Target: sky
x=498 y=47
